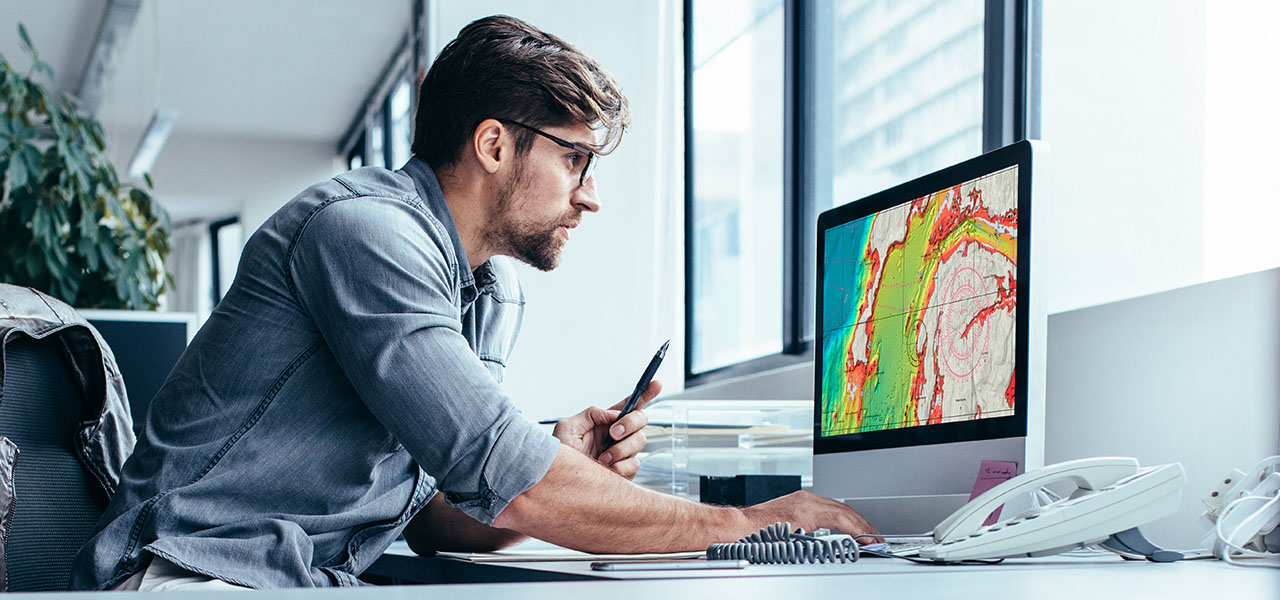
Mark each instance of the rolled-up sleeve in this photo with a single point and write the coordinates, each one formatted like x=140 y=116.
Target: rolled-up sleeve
x=375 y=276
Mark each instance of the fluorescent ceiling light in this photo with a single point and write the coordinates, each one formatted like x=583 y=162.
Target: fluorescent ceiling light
x=152 y=141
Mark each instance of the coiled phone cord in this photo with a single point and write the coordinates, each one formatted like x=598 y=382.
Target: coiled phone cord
x=778 y=544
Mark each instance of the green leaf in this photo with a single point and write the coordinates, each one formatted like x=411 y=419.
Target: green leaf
x=34 y=166
x=26 y=40
x=123 y=288
x=17 y=174
x=107 y=250
x=40 y=225
x=44 y=67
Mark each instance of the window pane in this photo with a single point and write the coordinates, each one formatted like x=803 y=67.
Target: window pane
x=377 y=156
x=737 y=171
x=907 y=90
x=401 y=133
x=355 y=159
x=902 y=95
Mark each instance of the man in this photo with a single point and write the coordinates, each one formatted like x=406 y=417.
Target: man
x=353 y=369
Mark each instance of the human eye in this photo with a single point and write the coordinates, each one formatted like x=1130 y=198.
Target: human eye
x=575 y=159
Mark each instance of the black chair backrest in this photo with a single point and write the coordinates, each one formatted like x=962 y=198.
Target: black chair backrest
x=56 y=502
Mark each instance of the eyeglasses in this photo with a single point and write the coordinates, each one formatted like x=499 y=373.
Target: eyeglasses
x=587 y=169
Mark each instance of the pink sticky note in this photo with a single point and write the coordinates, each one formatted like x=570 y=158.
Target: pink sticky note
x=991 y=474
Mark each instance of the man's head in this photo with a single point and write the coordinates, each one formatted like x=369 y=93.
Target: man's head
x=504 y=82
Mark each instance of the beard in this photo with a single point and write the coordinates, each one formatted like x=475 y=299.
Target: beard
x=535 y=243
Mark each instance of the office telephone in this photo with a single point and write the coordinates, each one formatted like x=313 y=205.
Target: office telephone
x=1111 y=495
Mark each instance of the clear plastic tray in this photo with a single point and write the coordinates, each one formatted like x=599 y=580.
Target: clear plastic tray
x=691 y=438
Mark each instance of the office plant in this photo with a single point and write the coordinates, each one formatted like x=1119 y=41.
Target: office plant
x=68 y=225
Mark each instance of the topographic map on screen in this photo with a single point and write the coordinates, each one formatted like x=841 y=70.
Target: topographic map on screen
x=918 y=310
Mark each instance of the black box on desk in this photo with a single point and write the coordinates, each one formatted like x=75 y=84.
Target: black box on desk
x=745 y=490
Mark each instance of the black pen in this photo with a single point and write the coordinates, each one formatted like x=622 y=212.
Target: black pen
x=640 y=388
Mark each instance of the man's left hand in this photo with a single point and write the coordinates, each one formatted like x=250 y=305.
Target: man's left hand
x=587 y=431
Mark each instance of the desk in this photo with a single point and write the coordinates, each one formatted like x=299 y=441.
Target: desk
x=401 y=568
x=1039 y=579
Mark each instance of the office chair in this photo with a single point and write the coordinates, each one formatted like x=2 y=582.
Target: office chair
x=57 y=502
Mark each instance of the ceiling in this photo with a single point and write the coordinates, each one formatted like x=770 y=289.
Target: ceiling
x=278 y=69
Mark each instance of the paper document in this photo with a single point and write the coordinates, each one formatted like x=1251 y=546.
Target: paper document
x=540 y=551
x=555 y=555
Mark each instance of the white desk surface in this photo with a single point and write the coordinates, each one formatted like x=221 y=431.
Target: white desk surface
x=1015 y=579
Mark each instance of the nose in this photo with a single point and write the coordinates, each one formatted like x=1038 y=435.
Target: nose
x=585 y=197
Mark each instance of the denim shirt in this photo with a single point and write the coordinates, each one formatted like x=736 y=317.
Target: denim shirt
x=352 y=370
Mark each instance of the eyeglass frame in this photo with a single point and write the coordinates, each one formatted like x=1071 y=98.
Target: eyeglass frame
x=587 y=170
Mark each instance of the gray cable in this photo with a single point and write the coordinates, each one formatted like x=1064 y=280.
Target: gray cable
x=778 y=544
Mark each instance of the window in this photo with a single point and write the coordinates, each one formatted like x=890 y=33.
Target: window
x=376 y=151
x=737 y=249
x=795 y=106
x=399 y=122
x=226 y=239
x=381 y=134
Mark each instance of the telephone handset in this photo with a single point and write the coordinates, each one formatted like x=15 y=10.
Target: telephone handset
x=1113 y=494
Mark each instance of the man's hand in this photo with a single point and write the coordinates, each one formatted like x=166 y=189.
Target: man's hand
x=811 y=512
x=587 y=431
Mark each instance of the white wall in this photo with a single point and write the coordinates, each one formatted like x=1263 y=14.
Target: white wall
x=592 y=324
x=1161 y=120
x=1124 y=114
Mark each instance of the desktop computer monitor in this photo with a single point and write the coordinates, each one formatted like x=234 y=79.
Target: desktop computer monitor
x=146 y=346
x=930 y=339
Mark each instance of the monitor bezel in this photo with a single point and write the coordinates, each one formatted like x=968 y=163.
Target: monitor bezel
x=1019 y=155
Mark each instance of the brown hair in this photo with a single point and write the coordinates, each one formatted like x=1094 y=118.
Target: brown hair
x=500 y=67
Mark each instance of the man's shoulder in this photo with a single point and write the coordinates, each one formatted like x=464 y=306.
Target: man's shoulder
x=378 y=194
x=379 y=182
x=362 y=206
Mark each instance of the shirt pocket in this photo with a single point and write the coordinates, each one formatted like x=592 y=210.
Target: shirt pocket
x=492 y=326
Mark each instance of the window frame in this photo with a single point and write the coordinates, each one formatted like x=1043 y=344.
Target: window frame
x=1011 y=112
x=216 y=258
x=406 y=63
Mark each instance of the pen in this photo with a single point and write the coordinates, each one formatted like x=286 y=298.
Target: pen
x=640 y=388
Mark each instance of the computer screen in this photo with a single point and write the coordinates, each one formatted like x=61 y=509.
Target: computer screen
x=146 y=346
x=926 y=322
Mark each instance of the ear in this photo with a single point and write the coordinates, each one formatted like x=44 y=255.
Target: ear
x=491 y=143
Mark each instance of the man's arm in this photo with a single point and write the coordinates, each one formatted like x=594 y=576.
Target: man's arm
x=440 y=527
x=579 y=504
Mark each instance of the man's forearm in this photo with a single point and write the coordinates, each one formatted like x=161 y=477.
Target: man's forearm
x=440 y=527
x=581 y=505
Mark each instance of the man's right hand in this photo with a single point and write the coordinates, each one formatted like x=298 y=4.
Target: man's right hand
x=803 y=509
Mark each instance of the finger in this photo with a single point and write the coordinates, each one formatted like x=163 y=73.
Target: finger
x=649 y=393
x=633 y=422
x=626 y=468
x=603 y=416
x=858 y=525
x=625 y=449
